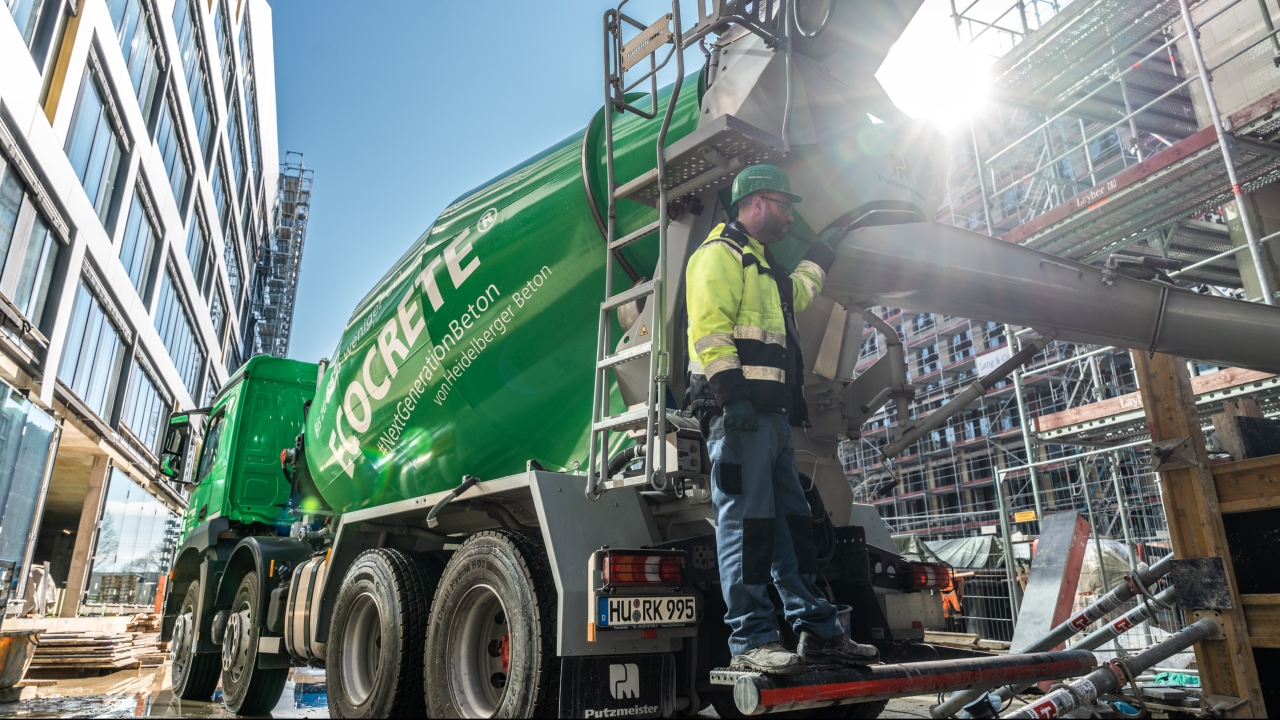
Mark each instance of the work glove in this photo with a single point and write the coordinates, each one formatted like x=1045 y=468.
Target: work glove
x=832 y=236
x=740 y=416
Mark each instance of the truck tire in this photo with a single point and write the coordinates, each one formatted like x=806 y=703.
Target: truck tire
x=491 y=644
x=194 y=675
x=374 y=655
x=246 y=688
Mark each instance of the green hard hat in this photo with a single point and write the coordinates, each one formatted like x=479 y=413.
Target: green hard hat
x=761 y=177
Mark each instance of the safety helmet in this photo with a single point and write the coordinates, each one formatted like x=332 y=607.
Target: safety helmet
x=761 y=177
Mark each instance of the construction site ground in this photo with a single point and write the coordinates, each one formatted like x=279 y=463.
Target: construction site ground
x=148 y=693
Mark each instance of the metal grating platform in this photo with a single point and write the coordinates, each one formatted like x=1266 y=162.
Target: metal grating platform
x=706 y=159
x=1156 y=194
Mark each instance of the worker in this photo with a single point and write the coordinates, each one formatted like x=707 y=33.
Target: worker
x=745 y=377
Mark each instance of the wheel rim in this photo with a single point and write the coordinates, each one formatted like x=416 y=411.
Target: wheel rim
x=480 y=651
x=362 y=649
x=182 y=644
x=235 y=644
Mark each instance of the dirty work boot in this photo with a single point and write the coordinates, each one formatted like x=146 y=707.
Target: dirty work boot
x=772 y=658
x=839 y=650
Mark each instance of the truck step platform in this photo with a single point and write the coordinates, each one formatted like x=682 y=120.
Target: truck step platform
x=826 y=685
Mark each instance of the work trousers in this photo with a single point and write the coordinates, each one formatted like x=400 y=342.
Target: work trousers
x=764 y=534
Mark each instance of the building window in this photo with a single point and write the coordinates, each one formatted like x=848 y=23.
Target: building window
x=235 y=130
x=222 y=31
x=175 y=161
x=220 y=196
x=138 y=246
x=193 y=69
x=250 y=93
x=144 y=409
x=217 y=314
x=173 y=322
x=136 y=541
x=92 y=145
x=232 y=257
x=196 y=244
x=26 y=13
x=28 y=249
x=139 y=48
x=91 y=360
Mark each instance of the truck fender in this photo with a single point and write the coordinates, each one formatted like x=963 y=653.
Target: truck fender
x=269 y=556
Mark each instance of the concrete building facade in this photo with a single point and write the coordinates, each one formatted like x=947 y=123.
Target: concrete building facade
x=137 y=175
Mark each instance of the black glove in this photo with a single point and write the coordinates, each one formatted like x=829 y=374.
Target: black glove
x=832 y=236
x=740 y=416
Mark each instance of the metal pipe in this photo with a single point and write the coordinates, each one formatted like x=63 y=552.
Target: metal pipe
x=1093 y=523
x=1222 y=255
x=1111 y=677
x=1006 y=545
x=1072 y=626
x=1026 y=430
x=1096 y=639
x=1123 y=510
x=1088 y=156
x=1133 y=123
x=827 y=686
x=1254 y=248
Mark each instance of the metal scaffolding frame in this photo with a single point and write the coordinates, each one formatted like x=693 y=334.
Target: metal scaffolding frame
x=276 y=287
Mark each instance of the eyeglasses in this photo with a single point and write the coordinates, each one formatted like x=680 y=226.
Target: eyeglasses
x=788 y=206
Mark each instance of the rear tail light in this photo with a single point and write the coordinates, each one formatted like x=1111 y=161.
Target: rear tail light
x=633 y=570
x=924 y=576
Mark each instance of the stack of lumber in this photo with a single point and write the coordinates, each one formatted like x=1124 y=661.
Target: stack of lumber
x=145 y=623
x=95 y=650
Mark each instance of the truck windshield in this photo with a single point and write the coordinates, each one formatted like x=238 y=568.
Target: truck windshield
x=209 y=452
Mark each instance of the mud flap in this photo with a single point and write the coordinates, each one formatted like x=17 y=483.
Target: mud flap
x=633 y=686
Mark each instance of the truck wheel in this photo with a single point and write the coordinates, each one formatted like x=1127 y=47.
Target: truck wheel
x=194 y=675
x=374 y=656
x=491 y=644
x=246 y=688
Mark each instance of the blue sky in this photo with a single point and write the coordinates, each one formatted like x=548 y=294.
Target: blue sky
x=400 y=107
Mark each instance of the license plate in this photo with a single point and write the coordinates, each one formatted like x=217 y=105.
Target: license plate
x=647 y=611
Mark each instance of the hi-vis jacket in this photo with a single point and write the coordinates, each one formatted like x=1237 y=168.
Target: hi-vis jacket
x=743 y=342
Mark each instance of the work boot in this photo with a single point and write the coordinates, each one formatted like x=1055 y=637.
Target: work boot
x=839 y=650
x=772 y=658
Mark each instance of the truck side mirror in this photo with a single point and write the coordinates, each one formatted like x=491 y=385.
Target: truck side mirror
x=177 y=441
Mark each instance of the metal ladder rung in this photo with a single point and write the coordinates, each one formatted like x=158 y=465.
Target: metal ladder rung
x=626 y=296
x=630 y=353
x=625 y=421
x=628 y=188
x=642 y=232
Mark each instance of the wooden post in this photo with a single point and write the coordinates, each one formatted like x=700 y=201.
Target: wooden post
x=1195 y=524
x=86 y=535
x=1224 y=424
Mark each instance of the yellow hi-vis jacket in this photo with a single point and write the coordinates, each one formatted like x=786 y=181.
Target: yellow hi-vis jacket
x=742 y=338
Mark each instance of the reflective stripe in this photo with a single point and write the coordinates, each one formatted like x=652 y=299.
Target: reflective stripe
x=733 y=246
x=763 y=372
x=814 y=268
x=695 y=368
x=725 y=363
x=748 y=332
x=713 y=340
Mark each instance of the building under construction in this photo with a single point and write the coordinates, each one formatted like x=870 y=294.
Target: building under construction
x=1104 y=146
x=276 y=282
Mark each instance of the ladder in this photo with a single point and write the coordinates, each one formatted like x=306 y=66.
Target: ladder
x=702 y=162
x=620 y=56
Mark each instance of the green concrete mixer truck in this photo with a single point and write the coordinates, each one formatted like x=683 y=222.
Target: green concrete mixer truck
x=489 y=502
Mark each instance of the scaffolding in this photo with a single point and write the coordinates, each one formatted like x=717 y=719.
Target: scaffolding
x=280 y=261
x=1098 y=142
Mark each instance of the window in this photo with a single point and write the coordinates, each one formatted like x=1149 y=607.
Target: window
x=209 y=450
x=220 y=196
x=222 y=31
x=92 y=145
x=144 y=409
x=137 y=538
x=139 y=48
x=28 y=249
x=237 y=147
x=196 y=244
x=217 y=314
x=138 y=245
x=250 y=93
x=193 y=69
x=91 y=360
x=175 y=161
x=961 y=346
x=927 y=360
x=26 y=13
x=173 y=322
x=232 y=257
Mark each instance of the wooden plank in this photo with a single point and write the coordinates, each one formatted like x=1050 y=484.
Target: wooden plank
x=1228 y=430
x=1195 y=524
x=1248 y=485
x=1262 y=614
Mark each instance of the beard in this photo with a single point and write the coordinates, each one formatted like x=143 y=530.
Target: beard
x=774 y=228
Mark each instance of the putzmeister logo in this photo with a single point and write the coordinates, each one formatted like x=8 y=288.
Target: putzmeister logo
x=624 y=681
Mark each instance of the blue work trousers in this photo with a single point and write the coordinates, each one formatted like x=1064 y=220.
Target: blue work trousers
x=764 y=534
